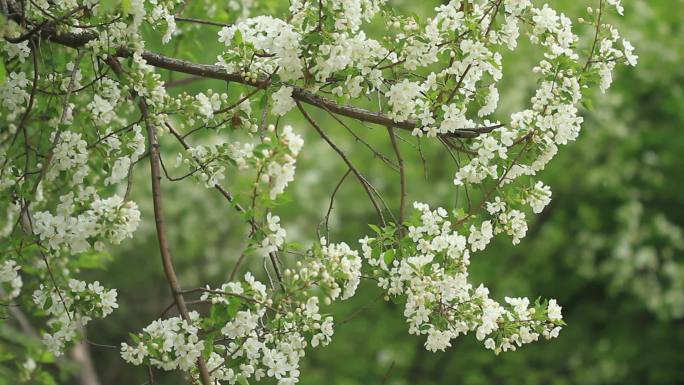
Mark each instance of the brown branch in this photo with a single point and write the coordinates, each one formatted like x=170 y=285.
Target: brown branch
x=332 y=200
x=375 y=152
x=233 y=272
x=402 y=177
x=39 y=27
x=236 y=295
x=361 y=178
x=76 y=40
x=183 y=82
x=596 y=35
x=201 y=21
x=387 y=374
x=82 y=355
x=167 y=260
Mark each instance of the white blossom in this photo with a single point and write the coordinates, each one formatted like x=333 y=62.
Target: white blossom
x=283 y=101
x=10 y=280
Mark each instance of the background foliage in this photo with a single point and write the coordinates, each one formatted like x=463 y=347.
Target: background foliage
x=606 y=248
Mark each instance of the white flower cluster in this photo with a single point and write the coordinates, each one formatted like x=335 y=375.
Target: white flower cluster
x=70 y=154
x=275 y=236
x=10 y=281
x=618 y=6
x=13 y=91
x=124 y=155
x=104 y=103
x=274 y=38
x=511 y=222
x=275 y=158
x=207 y=164
x=71 y=308
x=539 y=197
x=283 y=101
x=160 y=14
x=339 y=260
x=167 y=344
x=350 y=14
x=277 y=45
x=430 y=272
x=479 y=237
x=609 y=53
x=403 y=98
x=476 y=62
x=109 y=219
x=280 y=170
x=21 y=50
x=254 y=332
x=441 y=74
x=206 y=105
x=350 y=52
x=147 y=83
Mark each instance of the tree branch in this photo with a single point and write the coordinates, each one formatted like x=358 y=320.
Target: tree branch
x=332 y=200
x=361 y=178
x=402 y=177
x=161 y=234
x=76 y=40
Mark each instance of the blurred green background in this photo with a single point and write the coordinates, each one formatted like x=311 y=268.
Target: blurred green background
x=609 y=247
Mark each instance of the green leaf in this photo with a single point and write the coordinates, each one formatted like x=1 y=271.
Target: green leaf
x=48 y=303
x=134 y=337
x=215 y=313
x=237 y=37
x=375 y=228
x=233 y=307
x=46 y=378
x=6 y=356
x=389 y=256
x=295 y=246
x=208 y=349
x=263 y=101
x=283 y=199
x=375 y=253
x=316 y=249
x=92 y=260
x=313 y=39
x=3 y=72
x=106 y=6
x=261 y=147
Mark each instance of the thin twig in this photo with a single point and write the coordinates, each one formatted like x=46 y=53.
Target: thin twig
x=332 y=199
x=346 y=160
x=201 y=21
x=402 y=176
x=387 y=374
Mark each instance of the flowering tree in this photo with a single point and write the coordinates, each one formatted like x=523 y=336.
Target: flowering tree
x=84 y=105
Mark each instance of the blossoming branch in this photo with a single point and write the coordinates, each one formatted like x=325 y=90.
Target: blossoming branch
x=84 y=104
